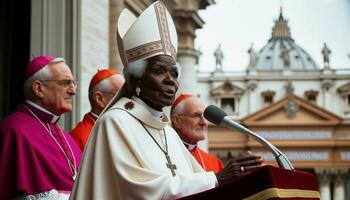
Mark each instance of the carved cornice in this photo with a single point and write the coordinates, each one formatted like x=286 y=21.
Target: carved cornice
x=328 y=172
x=344 y=88
x=189 y=16
x=136 y=7
x=227 y=89
x=204 y=3
x=187 y=51
x=187 y=21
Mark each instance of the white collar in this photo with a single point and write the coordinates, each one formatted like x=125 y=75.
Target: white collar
x=54 y=119
x=94 y=114
x=189 y=146
x=155 y=113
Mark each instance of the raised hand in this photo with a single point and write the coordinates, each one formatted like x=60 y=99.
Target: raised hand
x=239 y=166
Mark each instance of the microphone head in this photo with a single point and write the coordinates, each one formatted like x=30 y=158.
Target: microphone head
x=214 y=114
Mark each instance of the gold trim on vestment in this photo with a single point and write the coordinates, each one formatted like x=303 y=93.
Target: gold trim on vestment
x=283 y=193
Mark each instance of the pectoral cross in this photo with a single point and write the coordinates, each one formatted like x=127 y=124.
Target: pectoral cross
x=170 y=165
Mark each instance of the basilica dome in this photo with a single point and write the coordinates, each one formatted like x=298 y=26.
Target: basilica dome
x=281 y=52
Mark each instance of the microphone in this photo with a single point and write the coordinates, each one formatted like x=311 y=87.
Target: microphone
x=217 y=116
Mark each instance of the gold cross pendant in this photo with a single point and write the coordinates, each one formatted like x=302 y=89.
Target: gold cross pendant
x=170 y=165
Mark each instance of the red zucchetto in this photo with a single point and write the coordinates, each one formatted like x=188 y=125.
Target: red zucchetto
x=179 y=99
x=100 y=76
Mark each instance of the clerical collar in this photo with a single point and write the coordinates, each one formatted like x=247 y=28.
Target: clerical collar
x=155 y=113
x=91 y=116
x=189 y=146
x=54 y=119
x=94 y=114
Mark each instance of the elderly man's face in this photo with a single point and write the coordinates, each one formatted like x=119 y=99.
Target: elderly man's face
x=159 y=82
x=59 y=90
x=192 y=126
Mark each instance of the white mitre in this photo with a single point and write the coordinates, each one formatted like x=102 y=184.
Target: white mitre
x=152 y=33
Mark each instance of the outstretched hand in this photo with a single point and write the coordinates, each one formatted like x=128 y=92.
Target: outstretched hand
x=239 y=166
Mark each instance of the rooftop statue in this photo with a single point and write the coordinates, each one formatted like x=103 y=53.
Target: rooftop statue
x=219 y=56
x=252 y=57
x=326 y=51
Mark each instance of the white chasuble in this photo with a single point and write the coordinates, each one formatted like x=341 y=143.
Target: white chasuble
x=122 y=161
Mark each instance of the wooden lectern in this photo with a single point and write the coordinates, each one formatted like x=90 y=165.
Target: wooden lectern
x=267 y=182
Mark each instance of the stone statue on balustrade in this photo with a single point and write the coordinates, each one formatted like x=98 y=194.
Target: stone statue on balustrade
x=326 y=51
x=253 y=58
x=219 y=56
x=198 y=54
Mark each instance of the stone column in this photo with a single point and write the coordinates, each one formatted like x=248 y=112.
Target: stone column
x=324 y=180
x=252 y=96
x=186 y=51
x=53 y=28
x=115 y=8
x=187 y=20
x=339 y=185
x=327 y=93
x=188 y=75
x=94 y=45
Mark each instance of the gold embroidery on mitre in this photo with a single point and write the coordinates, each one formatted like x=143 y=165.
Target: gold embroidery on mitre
x=142 y=51
x=164 y=30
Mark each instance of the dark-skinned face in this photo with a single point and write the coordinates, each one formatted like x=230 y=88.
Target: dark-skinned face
x=159 y=82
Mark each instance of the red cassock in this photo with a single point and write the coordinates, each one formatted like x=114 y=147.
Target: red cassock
x=82 y=131
x=207 y=161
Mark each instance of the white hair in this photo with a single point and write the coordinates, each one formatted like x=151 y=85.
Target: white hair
x=104 y=85
x=179 y=108
x=179 y=70
x=43 y=74
x=136 y=69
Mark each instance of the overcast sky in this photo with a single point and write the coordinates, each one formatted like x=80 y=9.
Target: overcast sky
x=236 y=24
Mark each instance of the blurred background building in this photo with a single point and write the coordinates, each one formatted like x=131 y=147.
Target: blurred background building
x=301 y=107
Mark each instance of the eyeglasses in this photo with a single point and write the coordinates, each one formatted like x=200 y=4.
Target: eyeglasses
x=65 y=82
x=108 y=92
x=194 y=115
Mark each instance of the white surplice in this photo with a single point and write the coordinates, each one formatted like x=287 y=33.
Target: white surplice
x=121 y=161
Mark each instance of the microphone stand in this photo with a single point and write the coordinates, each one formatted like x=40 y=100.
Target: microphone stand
x=281 y=159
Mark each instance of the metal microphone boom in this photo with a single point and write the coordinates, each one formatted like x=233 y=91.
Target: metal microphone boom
x=217 y=116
